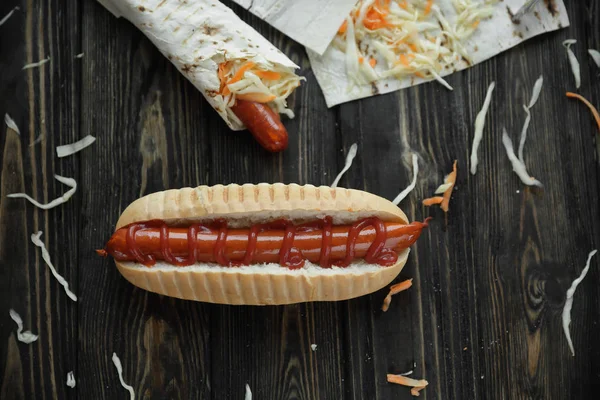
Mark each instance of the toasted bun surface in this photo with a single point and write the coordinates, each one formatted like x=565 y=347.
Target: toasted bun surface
x=269 y=283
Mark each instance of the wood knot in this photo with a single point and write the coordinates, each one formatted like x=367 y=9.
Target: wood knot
x=545 y=288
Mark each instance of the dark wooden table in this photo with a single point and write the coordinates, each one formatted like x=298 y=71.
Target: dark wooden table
x=483 y=319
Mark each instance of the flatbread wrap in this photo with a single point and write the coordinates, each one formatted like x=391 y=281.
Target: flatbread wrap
x=226 y=59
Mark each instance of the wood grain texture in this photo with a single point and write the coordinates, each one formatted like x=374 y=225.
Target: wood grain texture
x=483 y=318
x=43 y=101
x=273 y=344
x=140 y=110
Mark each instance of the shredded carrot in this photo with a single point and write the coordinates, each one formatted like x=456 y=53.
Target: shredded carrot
x=475 y=24
x=360 y=60
x=452 y=180
x=405 y=381
x=433 y=200
x=399 y=287
x=404 y=60
x=395 y=289
x=375 y=17
x=374 y=24
x=588 y=104
x=240 y=73
x=415 y=391
x=413 y=47
x=403 y=5
x=238 y=76
x=269 y=75
x=343 y=27
x=372 y=62
x=428 y=7
x=419 y=74
x=256 y=97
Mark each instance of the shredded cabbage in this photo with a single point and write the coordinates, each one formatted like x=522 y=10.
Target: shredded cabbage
x=25 y=337
x=407 y=38
x=117 y=362
x=11 y=123
x=263 y=82
x=71 y=379
x=566 y=314
x=595 y=54
x=573 y=61
x=443 y=188
x=349 y=158
x=56 y=202
x=35 y=239
x=36 y=64
x=72 y=148
x=537 y=89
x=517 y=165
x=7 y=16
x=409 y=188
x=479 y=125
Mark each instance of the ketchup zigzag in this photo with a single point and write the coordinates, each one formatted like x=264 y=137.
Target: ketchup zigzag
x=289 y=256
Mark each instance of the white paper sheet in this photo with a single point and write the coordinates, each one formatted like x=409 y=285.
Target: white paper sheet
x=492 y=37
x=313 y=26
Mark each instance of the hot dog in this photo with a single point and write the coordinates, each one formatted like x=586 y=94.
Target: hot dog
x=155 y=240
x=263 y=123
x=262 y=244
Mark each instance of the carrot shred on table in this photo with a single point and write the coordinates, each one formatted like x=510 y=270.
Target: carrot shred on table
x=588 y=104
x=395 y=289
x=428 y=7
x=269 y=75
x=476 y=23
x=451 y=178
x=433 y=200
x=372 y=62
x=343 y=27
x=415 y=391
x=419 y=74
x=405 y=381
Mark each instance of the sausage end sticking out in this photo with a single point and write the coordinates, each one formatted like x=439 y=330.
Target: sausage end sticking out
x=263 y=123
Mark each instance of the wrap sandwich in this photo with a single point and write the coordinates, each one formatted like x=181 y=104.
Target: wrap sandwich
x=225 y=59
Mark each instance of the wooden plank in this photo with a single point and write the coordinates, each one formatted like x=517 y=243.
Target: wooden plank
x=151 y=136
x=42 y=101
x=378 y=343
x=470 y=338
x=505 y=246
x=483 y=317
x=270 y=347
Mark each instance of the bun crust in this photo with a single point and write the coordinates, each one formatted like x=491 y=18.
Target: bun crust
x=261 y=285
x=267 y=284
x=246 y=203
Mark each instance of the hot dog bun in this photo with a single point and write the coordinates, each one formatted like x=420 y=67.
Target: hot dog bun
x=264 y=284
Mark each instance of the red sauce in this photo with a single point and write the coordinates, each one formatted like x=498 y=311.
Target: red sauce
x=289 y=256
